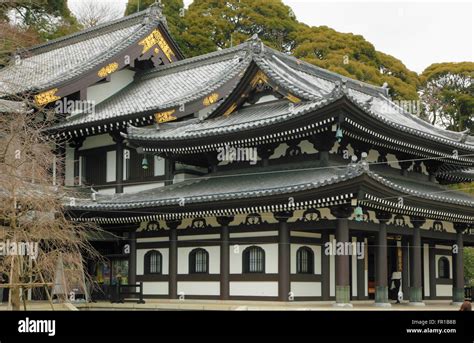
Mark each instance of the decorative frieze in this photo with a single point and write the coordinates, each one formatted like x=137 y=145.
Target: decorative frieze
x=163 y=117
x=210 y=99
x=47 y=97
x=156 y=38
x=108 y=69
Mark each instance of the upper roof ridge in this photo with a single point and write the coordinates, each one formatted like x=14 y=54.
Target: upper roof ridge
x=195 y=59
x=98 y=30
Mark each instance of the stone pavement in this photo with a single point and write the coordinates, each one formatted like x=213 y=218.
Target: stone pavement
x=219 y=305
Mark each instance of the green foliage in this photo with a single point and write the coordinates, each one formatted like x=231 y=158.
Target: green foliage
x=469 y=265
x=448 y=95
x=218 y=24
x=351 y=55
x=50 y=18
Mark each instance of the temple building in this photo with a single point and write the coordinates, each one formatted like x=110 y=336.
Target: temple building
x=225 y=176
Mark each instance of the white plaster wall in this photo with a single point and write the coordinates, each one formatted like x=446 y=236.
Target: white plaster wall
x=366 y=268
x=332 y=272
x=141 y=260
x=111 y=155
x=159 y=166
x=138 y=188
x=152 y=239
x=69 y=165
x=393 y=161
x=198 y=288
x=305 y=234
x=426 y=269
x=250 y=288
x=253 y=234
x=214 y=259
x=307 y=147
x=271 y=258
x=354 y=271
x=444 y=290
x=155 y=288
x=102 y=91
x=266 y=98
x=97 y=141
x=306 y=289
x=107 y=191
x=180 y=177
x=317 y=257
x=279 y=151
x=198 y=237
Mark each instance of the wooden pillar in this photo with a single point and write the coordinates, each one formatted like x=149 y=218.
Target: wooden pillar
x=173 y=258
x=432 y=270
x=323 y=142
x=119 y=148
x=361 y=287
x=342 y=213
x=132 y=258
x=224 y=221
x=416 y=290
x=381 y=272
x=458 y=282
x=76 y=144
x=265 y=151
x=405 y=268
x=284 y=285
x=325 y=269
x=405 y=162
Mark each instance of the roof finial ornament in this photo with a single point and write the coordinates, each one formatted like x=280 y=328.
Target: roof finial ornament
x=340 y=88
x=155 y=11
x=464 y=136
x=368 y=103
x=360 y=166
x=256 y=44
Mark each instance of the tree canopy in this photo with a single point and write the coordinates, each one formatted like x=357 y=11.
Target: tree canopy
x=50 y=18
x=447 y=95
x=351 y=55
x=218 y=24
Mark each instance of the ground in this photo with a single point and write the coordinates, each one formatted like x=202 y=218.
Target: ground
x=213 y=305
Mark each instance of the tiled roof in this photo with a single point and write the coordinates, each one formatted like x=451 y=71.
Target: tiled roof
x=164 y=87
x=187 y=80
x=269 y=181
x=65 y=58
x=11 y=106
x=246 y=118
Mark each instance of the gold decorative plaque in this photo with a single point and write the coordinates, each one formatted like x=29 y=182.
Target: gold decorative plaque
x=156 y=38
x=108 y=69
x=259 y=79
x=163 y=117
x=230 y=109
x=46 y=97
x=210 y=99
x=293 y=98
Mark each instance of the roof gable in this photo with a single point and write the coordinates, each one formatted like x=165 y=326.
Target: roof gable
x=52 y=67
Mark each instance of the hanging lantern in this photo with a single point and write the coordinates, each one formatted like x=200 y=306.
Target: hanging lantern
x=359 y=214
x=145 y=163
x=339 y=135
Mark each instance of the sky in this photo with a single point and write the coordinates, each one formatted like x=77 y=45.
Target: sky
x=419 y=33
